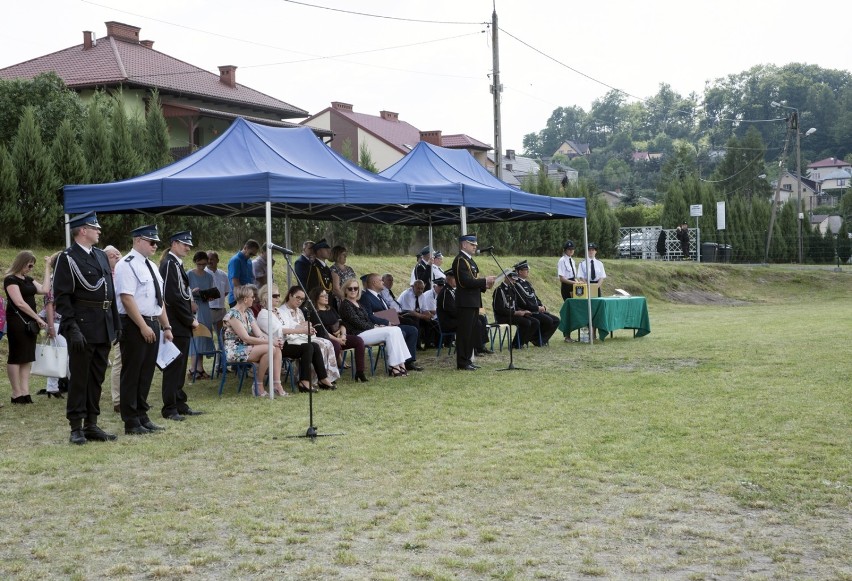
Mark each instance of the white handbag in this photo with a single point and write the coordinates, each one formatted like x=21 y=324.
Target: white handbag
x=51 y=360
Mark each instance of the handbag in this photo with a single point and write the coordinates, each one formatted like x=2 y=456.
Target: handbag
x=30 y=325
x=50 y=360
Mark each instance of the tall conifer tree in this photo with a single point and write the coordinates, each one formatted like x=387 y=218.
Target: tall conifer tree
x=37 y=181
x=11 y=218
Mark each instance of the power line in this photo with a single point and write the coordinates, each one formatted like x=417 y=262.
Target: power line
x=383 y=16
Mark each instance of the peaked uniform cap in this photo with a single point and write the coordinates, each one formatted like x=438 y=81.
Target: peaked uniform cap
x=87 y=219
x=184 y=237
x=523 y=265
x=148 y=232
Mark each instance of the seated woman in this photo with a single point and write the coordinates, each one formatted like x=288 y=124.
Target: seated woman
x=330 y=327
x=341 y=273
x=201 y=281
x=289 y=323
x=357 y=322
x=244 y=341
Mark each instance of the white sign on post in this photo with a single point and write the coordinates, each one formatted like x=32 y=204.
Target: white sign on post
x=720 y=215
x=696 y=210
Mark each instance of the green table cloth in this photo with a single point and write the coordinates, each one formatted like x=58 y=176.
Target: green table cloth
x=608 y=314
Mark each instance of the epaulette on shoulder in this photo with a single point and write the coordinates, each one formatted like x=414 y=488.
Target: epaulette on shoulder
x=129 y=258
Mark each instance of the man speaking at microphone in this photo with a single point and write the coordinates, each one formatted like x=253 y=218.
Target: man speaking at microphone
x=468 y=300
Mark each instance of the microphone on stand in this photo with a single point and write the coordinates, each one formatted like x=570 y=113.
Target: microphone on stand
x=282 y=250
x=486 y=249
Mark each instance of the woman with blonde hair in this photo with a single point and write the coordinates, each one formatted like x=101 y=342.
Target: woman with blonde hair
x=357 y=322
x=280 y=321
x=21 y=290
x=244 y=341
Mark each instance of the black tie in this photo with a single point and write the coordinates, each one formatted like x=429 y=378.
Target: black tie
x=156 y=284
x=381 y=298
x=594 y=278
x=416 y=304
x=571 y=263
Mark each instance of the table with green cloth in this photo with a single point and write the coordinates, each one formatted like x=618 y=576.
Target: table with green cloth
x=608 y=314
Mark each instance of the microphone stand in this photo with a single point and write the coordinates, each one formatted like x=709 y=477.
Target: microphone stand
x=311 y=432
x=511 y=366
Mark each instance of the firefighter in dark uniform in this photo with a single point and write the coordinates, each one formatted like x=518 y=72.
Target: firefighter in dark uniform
x=319 y=273
x=140 y=291
x=177 y=297
x=528 y=299
x=508 y=311
x=468 y=301
x=448 y=314
x=85 y=297
x=423 y=268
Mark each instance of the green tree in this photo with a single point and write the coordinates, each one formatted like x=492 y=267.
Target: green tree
x=157 y=151
x=37 y=182
x=844 y=243
x=97 y=145
x=682 y=163
x=52 y=102
x=125 y=160
x=616 y=173
x=675 y=209
x=68 y=160
x=347 y=151
x=11 y=217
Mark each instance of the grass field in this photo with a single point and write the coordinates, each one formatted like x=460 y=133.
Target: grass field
x=717 y=447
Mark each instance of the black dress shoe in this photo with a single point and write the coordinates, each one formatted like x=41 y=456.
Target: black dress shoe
x=360 y=377
x=485 y=352
x=97 y=434
x=77 y=437
x=152 y=427
x=190 y=412
x=137 y=431
x=413 y=366
x=467 y=368
x=475 y=366
x=41 y=392
x=55 y=394
x=116 y=408
x=173 y=417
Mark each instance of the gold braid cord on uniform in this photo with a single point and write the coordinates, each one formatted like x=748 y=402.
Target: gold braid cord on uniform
x=469 y=269
x=321 y=281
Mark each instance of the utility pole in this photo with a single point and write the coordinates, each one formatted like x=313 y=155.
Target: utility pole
x=496 y=89
x=795 y=124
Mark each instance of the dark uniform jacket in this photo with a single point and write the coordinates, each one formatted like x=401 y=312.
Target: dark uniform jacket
x=503 y=302
x=447 y=314
x=177 y=298
x=302 y=266
x=84 y=293
x=319 y=274
x=470 y=287
x=423 y=271
x=527 y=299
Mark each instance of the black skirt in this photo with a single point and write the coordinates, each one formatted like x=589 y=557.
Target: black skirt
x=22 y=345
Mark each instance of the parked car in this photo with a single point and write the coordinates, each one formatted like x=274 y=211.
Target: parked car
x=638 y=245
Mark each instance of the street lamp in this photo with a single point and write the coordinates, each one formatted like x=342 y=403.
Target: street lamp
x=793 y=122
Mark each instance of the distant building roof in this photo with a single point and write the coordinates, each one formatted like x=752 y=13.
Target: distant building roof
x=829 y=162
x=462 y=141
x=121 y=58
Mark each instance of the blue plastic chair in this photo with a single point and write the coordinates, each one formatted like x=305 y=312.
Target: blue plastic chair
x=200 y=332
x=241 y=368
x=450 y=336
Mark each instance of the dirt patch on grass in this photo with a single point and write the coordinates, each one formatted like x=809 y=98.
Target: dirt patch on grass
x=696 y=297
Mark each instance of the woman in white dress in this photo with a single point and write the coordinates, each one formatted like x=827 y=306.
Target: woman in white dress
x=318 y=365
x=357 y=322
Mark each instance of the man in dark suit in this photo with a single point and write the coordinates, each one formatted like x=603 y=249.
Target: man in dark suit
x=85 y=298
x=448 y=315
x=302 y=266
x=371 y=301
x=528 y=300
x=177 y=297
x=468 y=300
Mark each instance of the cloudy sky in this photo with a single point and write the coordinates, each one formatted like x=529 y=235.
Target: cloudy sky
x=430 y=61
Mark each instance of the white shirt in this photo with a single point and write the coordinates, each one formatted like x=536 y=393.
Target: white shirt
x=406 y=300
x=567 y=268
x=429 y=302
x=389 y=300
x=220 y=281
x=600 y=273
x=133 y=278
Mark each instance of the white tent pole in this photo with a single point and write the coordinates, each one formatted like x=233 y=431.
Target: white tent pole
x=287 y=244
x=270 y=390
x=588 y=282
x=463 y=216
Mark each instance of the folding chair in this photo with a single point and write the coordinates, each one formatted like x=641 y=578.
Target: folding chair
x=203 y=331
x=450 y=335
x=351 y=353
x=241 y=368
x=380 y=352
